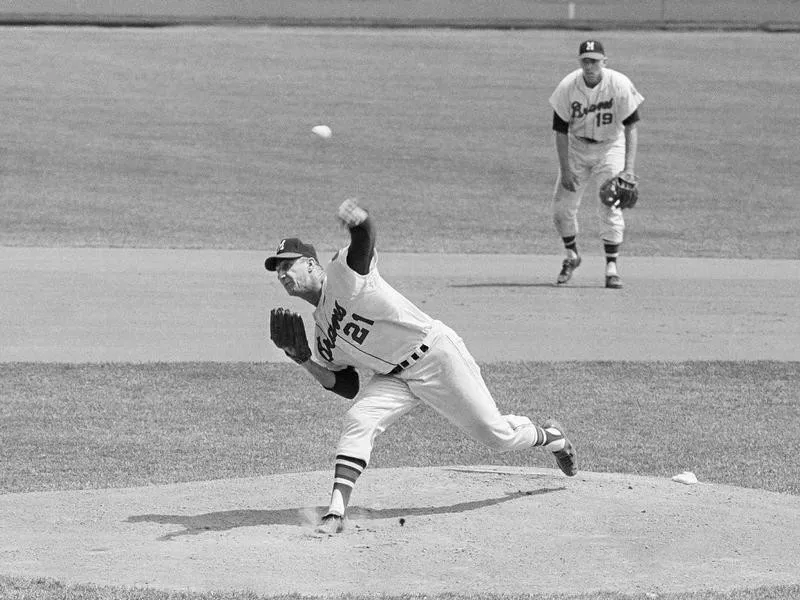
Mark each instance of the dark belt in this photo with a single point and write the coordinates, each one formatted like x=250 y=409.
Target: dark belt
x=415 y=356
x=588 y=140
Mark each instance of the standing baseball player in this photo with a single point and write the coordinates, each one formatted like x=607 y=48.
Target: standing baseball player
x=595 y=116
x=362 y=322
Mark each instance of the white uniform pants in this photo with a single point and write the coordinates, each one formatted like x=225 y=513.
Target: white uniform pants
x=448 y=380
x=593 y=164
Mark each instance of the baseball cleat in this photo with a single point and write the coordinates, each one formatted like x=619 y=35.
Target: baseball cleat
x=567 y=267
x=330 y=525
x=562 y=449
x=613 y=282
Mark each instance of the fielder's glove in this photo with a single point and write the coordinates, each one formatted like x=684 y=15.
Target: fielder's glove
x=621 y=191
x=287 y=331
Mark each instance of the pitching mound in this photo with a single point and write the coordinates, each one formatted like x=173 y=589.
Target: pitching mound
x=459 y=529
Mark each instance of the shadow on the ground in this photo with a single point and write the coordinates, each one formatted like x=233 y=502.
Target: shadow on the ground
x=553 y=284
x=496 y=284
x=232 y=519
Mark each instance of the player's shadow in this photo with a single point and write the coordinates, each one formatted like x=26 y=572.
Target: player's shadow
x=540 y=284
x=231 y=519
x=499 y=284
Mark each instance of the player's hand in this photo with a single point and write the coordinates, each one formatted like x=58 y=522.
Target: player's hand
x=569 y=180
x=350 y=214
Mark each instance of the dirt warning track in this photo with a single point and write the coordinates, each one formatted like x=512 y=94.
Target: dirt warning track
x=139 y=305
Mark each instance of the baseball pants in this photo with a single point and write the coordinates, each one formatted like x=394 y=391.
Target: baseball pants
x=593 y=164
x=448 y=380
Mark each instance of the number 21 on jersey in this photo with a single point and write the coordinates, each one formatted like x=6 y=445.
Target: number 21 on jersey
x=358 y=333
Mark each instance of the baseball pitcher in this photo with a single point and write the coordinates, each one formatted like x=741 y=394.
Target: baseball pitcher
x=360 y=321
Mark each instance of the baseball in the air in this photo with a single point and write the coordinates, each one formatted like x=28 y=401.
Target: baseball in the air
x=322 y=131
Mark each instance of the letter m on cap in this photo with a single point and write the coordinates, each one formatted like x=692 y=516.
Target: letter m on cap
x=589 y=46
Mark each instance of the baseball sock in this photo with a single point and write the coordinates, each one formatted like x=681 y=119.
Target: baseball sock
x=345 y=474
x=552 y=439
x=612 y=253
x=571 y=244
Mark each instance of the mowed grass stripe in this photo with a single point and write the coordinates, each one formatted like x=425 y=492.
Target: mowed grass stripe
x=121 y=425
x=201 y=137
x=438 y=11
x=18 y=588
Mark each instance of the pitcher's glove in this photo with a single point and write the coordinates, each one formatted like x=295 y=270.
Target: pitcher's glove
x=287 y=331
x=621 y=191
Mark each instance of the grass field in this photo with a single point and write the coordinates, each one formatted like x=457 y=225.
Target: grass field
x=15 y=589
x=694 y=12
x=96 y=426
x=201 y=138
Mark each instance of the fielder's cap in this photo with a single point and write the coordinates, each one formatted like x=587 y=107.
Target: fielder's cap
x=591 y=49
x=290 y=248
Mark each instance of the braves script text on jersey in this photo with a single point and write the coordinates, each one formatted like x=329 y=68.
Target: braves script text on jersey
x=596 y=145
x=362 y=321
x=596 y=113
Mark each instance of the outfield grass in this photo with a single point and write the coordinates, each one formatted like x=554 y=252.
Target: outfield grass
x=386 y=11
x=201 y=138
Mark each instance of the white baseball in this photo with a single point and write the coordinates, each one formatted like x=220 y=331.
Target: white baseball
x=322 y=131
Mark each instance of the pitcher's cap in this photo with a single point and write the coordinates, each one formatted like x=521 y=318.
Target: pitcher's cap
x=591 y=49
x=289 y=248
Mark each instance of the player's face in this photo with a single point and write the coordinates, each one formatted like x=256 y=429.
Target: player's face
x=592 y=70
x=295 y=275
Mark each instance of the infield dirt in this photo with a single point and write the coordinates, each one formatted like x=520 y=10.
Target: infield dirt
x=129 y=305
x=498 y=529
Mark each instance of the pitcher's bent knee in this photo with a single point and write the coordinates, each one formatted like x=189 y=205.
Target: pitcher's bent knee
x=358 y=436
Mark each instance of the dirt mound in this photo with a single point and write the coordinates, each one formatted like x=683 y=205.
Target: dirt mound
x=457 y=529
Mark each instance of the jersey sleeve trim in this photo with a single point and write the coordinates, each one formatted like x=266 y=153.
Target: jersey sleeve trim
x=559 y=124
x=346 y=383
x=362 y=246
x=633 y=118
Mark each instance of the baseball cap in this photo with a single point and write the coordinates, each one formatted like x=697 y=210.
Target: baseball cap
x=591 y=49
x=289 y=248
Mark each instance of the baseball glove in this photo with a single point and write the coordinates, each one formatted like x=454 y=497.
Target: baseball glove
x=621 y=191
x=287 y=331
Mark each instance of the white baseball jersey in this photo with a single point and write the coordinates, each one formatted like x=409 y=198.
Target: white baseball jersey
x=596 y=113
x=362 y=321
